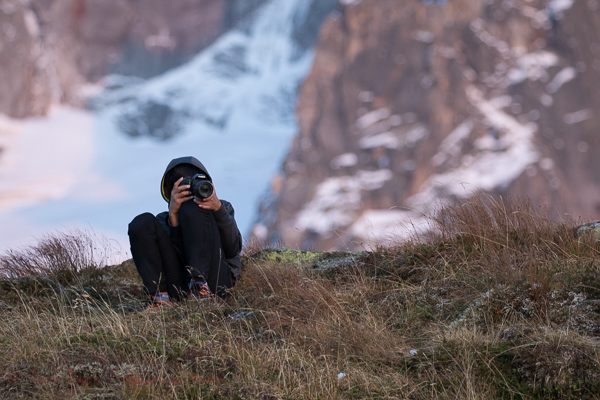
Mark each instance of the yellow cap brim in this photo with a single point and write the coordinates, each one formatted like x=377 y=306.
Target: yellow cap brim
x=162 y=189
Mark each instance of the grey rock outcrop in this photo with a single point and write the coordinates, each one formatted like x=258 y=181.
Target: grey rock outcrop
x=590 y=229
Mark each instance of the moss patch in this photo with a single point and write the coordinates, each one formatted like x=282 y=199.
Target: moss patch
x=307 y=260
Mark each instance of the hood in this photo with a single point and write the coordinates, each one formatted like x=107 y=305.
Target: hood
x=182 y=160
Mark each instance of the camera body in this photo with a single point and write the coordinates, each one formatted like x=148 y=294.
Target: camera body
x=200 y=187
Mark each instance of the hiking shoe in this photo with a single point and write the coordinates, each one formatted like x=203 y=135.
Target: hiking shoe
x=199 y=289
x=160 y=300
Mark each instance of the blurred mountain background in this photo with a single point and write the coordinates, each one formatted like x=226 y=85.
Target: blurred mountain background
x=328 y=123
x=410 y=106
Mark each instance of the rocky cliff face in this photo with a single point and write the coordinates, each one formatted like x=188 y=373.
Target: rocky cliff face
x=250 y=75
x=411 y=105
x=25 y=87
x=48 y=48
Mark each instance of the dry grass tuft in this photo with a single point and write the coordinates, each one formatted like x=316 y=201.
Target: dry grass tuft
x=501 y=303
x=61 y=257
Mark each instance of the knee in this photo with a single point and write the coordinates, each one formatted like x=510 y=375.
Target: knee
x=190 y=211
x=142 y=223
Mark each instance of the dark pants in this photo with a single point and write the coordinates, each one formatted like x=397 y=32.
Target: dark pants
x=166 y=268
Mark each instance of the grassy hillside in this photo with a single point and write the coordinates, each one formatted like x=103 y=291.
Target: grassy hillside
x=500 y=303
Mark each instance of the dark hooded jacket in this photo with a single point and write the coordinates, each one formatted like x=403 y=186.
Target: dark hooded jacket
x=231 y=239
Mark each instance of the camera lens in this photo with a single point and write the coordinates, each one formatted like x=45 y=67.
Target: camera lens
x=204 y=190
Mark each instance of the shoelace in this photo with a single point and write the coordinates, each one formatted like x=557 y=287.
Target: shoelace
x=199 y=288
x=159 y=300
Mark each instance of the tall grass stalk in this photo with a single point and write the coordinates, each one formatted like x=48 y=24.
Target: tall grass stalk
x=499 y=302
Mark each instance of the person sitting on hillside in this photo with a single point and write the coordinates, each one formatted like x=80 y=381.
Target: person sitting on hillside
x=193 y=248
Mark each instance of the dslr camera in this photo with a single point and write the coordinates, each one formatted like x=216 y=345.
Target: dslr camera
x=199 y=186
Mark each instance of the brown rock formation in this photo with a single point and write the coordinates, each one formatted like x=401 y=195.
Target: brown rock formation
x=22 y=62
x=49 y=47
x=410 y=105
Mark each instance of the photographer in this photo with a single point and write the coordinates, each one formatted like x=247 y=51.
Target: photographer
x=193 y=248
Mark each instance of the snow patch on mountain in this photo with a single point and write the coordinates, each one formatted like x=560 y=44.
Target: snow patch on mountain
x=565 y=75
x=578 y=116
x=350 y=2
x=532 y=66
x=395 y=139
x=560 y=5
x=451 y=147
x=497 y=163
x=344 y=160
x=232 y=107
x=385 y=227
x=372 y=117
x=234 y=103
x=248 y=74
x=337 y=201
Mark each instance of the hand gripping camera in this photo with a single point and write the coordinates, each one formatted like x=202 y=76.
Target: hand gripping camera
x=199 y=186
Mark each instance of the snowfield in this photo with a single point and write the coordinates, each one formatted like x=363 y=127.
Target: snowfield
x=234 y=109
